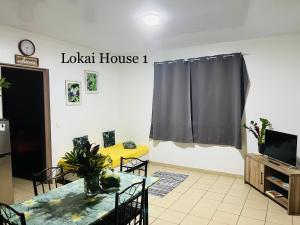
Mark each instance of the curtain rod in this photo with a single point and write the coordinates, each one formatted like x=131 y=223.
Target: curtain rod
x=207 y=57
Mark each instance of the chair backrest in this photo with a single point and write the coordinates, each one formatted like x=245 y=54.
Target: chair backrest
x=47 y=177
x=129 y=205
x=134 y=165
x=9 y=216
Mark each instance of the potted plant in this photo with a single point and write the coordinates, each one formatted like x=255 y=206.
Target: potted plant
x=259 y=132
x=85 y=161
x=4 y=83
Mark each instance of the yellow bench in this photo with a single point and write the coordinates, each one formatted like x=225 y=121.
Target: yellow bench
x=115 y=152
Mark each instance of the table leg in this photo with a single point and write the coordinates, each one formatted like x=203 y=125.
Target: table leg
x=146 y=209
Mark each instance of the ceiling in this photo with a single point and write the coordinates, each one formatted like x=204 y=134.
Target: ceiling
x=115 y=25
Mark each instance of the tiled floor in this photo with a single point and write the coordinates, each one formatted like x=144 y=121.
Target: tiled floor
x=203 y=199
x=207 y=199
x=23 y=189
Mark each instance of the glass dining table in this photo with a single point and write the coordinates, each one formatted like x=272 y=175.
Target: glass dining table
x=68 y=204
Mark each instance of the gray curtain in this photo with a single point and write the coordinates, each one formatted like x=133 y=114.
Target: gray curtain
x=219 y=86
x=200 y=100
x=171 y=109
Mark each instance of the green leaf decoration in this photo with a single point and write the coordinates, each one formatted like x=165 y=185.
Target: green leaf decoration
x=4 y=83
x=259 y=132
x=85 y=162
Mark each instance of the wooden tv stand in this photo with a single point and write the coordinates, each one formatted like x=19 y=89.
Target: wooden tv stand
x=266 y=175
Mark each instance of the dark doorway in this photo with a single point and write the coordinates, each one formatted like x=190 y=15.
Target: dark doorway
x=23 y=106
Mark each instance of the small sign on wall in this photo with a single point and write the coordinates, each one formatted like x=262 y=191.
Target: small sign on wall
x=26 y=60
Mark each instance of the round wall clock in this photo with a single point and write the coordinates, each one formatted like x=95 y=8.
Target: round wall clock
x=26 y=47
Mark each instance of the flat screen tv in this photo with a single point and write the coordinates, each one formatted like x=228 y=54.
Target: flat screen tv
x=281 y=146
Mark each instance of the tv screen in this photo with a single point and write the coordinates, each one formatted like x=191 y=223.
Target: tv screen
x=281 y=146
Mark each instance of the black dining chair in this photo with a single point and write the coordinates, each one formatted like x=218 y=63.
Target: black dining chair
x=129 y=206
x=47 y=177
x=135 y=166
x=9 y=216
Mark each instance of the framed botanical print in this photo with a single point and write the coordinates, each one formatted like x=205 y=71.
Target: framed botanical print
x=73 y=92
x=91 y=81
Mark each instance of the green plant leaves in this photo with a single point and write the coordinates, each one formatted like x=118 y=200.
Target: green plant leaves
x=86 y=162
x=259 y=133
x=4 y=83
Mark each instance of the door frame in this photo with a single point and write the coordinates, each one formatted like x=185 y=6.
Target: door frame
x=47 y=118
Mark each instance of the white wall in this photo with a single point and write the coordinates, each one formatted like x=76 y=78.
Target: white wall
x=98 y=112
x=274 y=70
x=125 y=99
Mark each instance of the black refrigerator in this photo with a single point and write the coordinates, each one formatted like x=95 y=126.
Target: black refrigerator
x=6 y=184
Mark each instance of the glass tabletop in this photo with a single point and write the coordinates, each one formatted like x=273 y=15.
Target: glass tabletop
x=68 y=204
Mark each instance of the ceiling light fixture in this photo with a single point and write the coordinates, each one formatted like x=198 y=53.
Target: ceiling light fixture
x=151 y=19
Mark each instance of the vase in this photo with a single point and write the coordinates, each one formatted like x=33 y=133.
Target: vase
x=91 y=186
x=261 y=148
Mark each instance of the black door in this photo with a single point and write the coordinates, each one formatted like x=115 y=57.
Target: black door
x=23 y=106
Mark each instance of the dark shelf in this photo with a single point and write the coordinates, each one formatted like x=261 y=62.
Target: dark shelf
x=281 y=200
x=277 y=182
